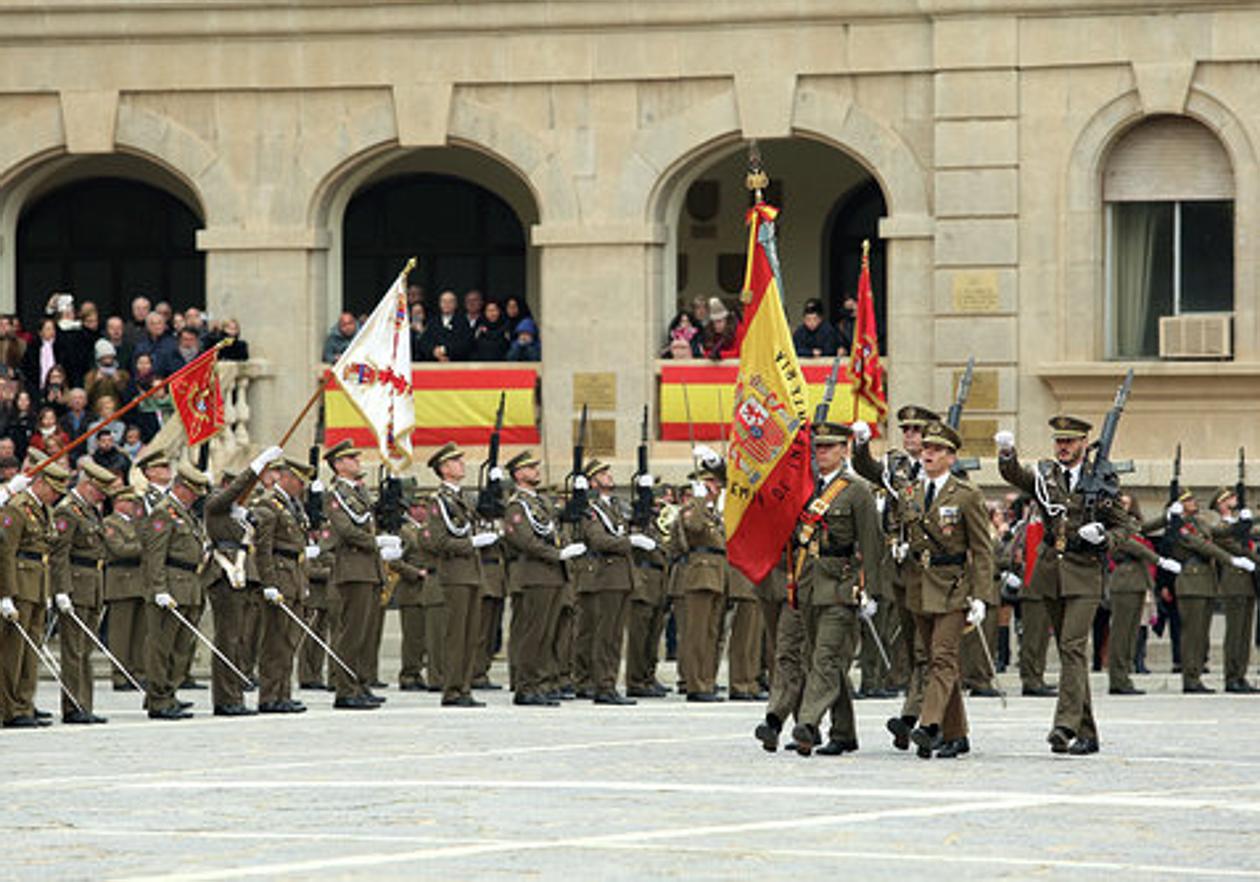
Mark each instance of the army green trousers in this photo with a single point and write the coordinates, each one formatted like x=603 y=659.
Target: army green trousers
x=228 y=605
x=1034 y=643
x=1073 y=621
x=917 y=652
x=532 y=639
x=411 y=645
x=356 y=602
x=942 y=693
x=251 y=629
x=702 y=623
x=791 y=664
x=76 y=657
x=376 y=632
x=977 y=672
x=19 y=668
x=280 y=635
x=1196 y=623
x=126 y=638
x=169 y=641
x=311 y=655
x=678 y=608
x=601 y=633
x=463 y=616
x=1126 y=619
x=186 y=652
x=491 y=617
x=1240 y=614
x=561 y=674
x=833 y=634
x=644 y=624
x=434 y=643
x=744 y=647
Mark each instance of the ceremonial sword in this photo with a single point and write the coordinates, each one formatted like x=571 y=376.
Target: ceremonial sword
x=47 y=663
x=320 y=643
x=210 y=645
x=68 y=609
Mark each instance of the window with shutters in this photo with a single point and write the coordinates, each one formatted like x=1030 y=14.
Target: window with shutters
x=1168 y=192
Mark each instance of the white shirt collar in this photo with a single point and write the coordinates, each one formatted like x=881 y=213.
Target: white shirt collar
x=938 y=481
x=831 y=476
x=454 y=488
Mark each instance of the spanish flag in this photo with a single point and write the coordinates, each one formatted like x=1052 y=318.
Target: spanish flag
x=768 y=472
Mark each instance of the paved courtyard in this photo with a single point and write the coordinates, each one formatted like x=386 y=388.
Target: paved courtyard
x=662 y=790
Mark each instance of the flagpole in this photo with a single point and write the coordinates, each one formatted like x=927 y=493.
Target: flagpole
x=131 y=405
x=853 y=385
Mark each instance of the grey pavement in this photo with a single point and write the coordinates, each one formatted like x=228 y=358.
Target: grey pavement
x=663 y=790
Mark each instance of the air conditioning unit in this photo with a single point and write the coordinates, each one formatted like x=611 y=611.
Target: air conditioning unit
x=1197 y=335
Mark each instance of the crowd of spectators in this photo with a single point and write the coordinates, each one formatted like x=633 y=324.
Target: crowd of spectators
x=815 y=337
x=474 y=329
x=74 y=372
x=709 y=329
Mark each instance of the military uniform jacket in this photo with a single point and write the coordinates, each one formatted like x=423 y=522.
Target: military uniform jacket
x=412 y=567
x=26 y=534
x=1233 y=582
x=846 y=546
x=122 y=558
x=606 y=566
x=176 y=551
x=704 y=542
x=319 y=570
x=951 y=551
x=1067 y=565
x=1132 y=561
x=280 y=544
x=353 y=527
x=650 y=568
x=232 y=538
x=529 y=529
x=493 y=572
x=447 y=535
x=78 y=552
x=1197 y=553
x=897 y=472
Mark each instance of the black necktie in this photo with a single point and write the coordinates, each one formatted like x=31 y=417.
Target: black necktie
x=818 y=486
x=1067 y=479
x=931 y=495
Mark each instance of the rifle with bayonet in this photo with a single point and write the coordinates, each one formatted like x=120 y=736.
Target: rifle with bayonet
x=490 y=476
x=1166 y=582
x=641 y=508
x=953 y=418
x=1099 y=483
x=315 y=497
x=1242 y=528
x=575 y=482
x=389 y=507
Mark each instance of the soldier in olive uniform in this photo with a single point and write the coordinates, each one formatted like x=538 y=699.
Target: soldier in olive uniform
x=26 y=535
x=790 y=655
x=950 y=581
x=1196 y=588
x=646 y=618
x=174 y=559
x=449 y=536
x=538 y=579
x=703 y=580
x=282 y=551
x=1128 y=585
x=743 y=648
x=842 y=554
x=1237 y=589
x=78 y=580
x=1068 y=575
x=412 y=569
x=124 y=589
x=319 y=617
x=493 y=593
x=357 y=576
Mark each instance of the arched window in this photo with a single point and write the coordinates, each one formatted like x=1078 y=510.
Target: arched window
x=1168 y=192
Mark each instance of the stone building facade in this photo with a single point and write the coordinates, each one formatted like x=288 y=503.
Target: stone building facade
x=1003 y=140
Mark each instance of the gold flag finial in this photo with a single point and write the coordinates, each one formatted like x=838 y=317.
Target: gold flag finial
x=866 y=250
x=757 y=179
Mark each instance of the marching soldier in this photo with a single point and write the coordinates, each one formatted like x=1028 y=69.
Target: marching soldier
x=743 y=649
x=450 y=538
x=357 y=575
x=412 y=569
x=1128 y=585
x=842 y=556
x=490 y=616
x=26 y=534
x=1237 y=588
x=282 y=551
x=703 y=580
x=1068 y=576
x=78 y=578
x=124 y=589
x=158 y=474
x=174 y=559
x=950 y=581
x=646 y=618
x=538 y=581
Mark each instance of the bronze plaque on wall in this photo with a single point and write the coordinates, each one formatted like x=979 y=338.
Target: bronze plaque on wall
x=601 y=437
x=597 y=390
x=984 y=389
x=976 y=291
x=977 y=437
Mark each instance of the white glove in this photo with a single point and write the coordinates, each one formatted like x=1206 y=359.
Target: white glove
x=1244 y=563
x=8 y=609
x=976 y=612
x=645 y=481
x=312 y=552
x=643 y=543
x=572 y=550
x=495 y=474
x=1244 y=515
x=901 y=551
x=164 y=600
x=63 y=601
x=390 y=552
x=580 y=482
x=1005 y=441
x=1013 y=581
x=266 y=458
x=386 y=540
x=1175 y=510
x=1094 y=533
x=868 y=606
x=1167 y=563
x=272 y=595
x=17 y=484
x=861 y=431
x=481 y=540
x=881 y=503
x=239 y=512
x=317 y=486
x=706 y=455
x=699 y=490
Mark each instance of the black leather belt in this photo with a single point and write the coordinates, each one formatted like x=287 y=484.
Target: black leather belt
x=180 y=565
x=31 y=555
x=489 y=559
x=91 y=563
x=948 y=560
x=837 y=551
x=287 y=554
x=649 y=565
x=708 y=549
x=123 y=563
x=1074 y=546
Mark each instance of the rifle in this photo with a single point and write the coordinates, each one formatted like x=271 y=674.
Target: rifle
x=489 y=478
x=1242 y=529
x=575 y=507
x=641 y=512
x=1099 y=483
x=953 y=418
x=314 y=498
x=389 y=507
x=1164 y=580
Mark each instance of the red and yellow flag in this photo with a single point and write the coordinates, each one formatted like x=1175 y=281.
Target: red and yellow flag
x=768 y=468
x=864 y=368
x=197 y=397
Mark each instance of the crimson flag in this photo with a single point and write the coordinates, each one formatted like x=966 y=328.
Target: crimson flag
x=864 y=368
x=198 y=398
